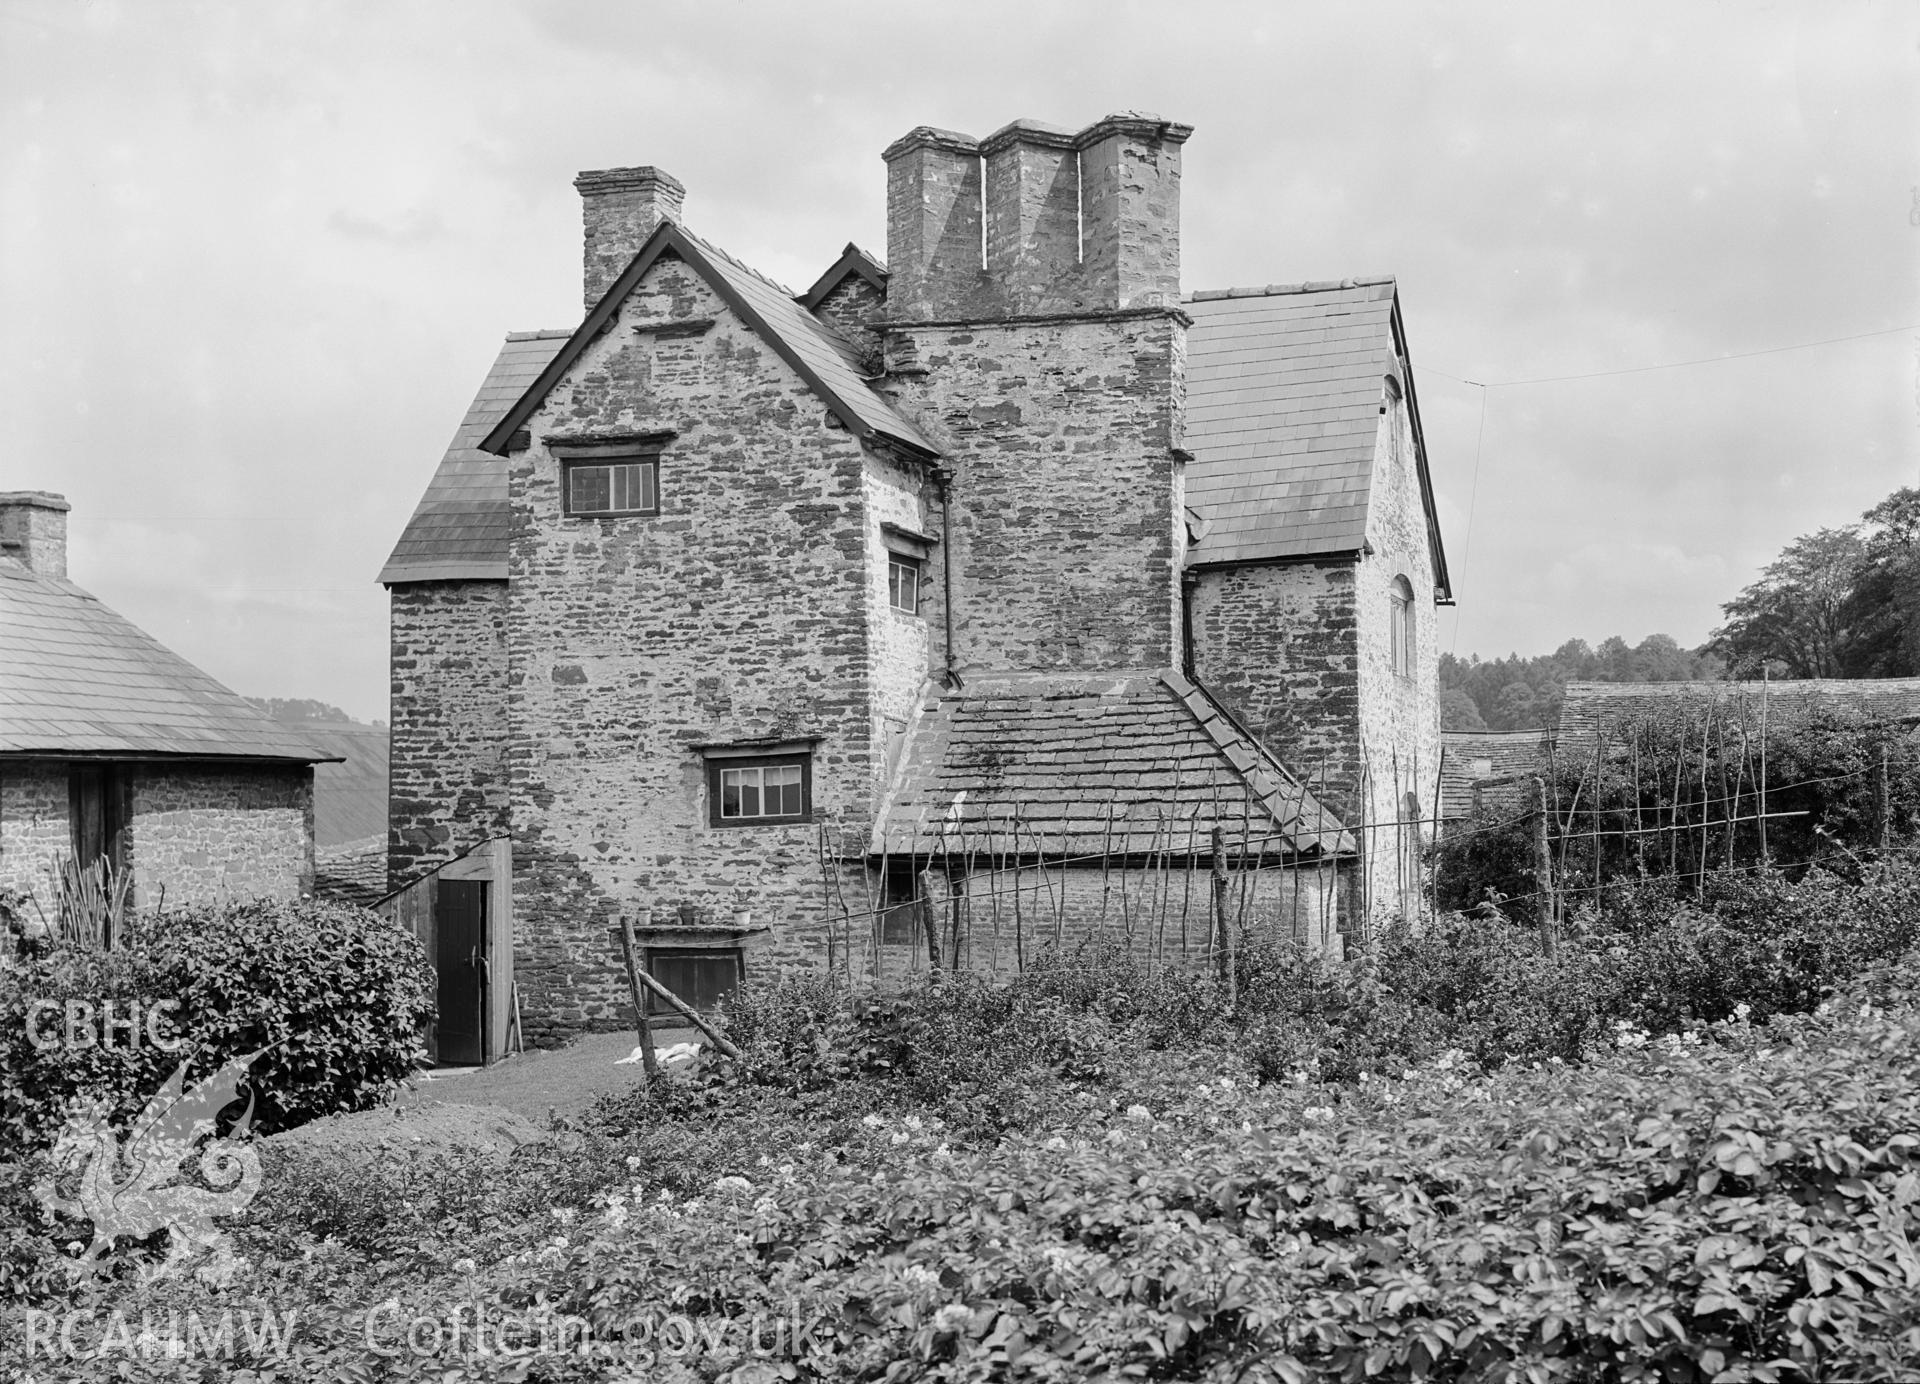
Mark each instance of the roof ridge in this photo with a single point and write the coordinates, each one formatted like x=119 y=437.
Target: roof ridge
x=736 y=262
x=541 y=334
x=1208 y=295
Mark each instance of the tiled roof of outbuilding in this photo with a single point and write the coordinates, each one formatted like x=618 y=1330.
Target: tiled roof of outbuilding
x=459 y=528
x=1077 y=766
x=78 y=678
x=1495 y=763
x=354 y=872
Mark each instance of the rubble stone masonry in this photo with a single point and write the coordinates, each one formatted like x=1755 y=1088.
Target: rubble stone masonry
x=36 y=830
x=447 y=778
x=1060 y=434
x=205 y=834
x=741 y=613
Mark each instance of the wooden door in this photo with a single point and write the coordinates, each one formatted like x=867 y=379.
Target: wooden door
x=460 y=959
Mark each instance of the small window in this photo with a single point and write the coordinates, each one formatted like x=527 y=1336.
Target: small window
x=900 y=924
x=1401 y=618
x=759 y=792
x=598 y=488
x=903 y=583
x=702 y=977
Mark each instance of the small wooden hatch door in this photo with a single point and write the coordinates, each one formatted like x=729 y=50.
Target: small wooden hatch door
x=460 y=959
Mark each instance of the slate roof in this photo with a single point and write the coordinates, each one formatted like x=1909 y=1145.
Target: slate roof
x=1134 y=763
x=813 y=349
x=459 y=528
x=1593 y=707
x=78 y=678
x=1283 y=410
x=1499 y=763
x=350 y=797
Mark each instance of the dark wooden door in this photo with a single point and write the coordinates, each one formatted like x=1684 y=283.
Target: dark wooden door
x=460 y=958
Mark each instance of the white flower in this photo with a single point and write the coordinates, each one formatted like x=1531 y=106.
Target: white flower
x=732 y=1184
x=951 y=1317
x=1056 y=1145
x=919 y=1276
x=872 y=1121
x=463 y=1266
x=633 y=1162
x=564 y=1215
x=1139 y=1112
x=1741 y=1010
x=1226 y=1083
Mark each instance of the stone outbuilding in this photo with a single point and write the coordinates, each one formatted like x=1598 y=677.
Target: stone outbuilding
x=1002 y=577
x=114 y=748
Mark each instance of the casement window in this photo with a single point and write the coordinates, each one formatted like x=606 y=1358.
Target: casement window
x=759 y=790
x=1400 y=618
x=600 y=489
x=605 y=477
x=907 y=554
x=903 y=583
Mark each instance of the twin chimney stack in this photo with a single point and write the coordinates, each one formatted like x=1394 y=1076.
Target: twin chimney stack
x=1034 y=220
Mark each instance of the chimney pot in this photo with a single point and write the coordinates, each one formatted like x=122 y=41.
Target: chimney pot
x=620 y=207
x=33 y=531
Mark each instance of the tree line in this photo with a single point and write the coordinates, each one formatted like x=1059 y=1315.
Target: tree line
x=1838 y=603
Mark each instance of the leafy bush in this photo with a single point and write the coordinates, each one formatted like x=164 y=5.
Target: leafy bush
x=336 y=995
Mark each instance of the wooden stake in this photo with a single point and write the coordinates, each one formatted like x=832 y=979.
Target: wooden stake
x=1543 y=872
x=649 y=1064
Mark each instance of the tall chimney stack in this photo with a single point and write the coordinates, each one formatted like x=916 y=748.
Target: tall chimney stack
x=33 y=530
x=933 y=223
x=620 y=208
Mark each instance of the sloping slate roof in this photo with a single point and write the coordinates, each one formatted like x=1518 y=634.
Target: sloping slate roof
x=1499 y=762
x=814 y=350
x=1132 y=763
x=822 y=351
x=349 y=798
x=353 y=872
x=75 y=677
x=1283 y=408
x=459 y=528
x=1591 y=708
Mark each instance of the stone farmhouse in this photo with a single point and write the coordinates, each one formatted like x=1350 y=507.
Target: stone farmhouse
x=965 y=605
x=114 y=748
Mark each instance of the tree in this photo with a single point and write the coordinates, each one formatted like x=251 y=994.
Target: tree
x=1458 y=711
x=1795 y=618
x=1884 y=606
x=1517 y=708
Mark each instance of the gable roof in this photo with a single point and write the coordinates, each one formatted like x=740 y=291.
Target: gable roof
x=815 y=352
x=1283 y=411
x=1494 y=765
x=459 y=528
x=853 y=261
x=1085 y=765
x=76 y=678
x=1612 y=708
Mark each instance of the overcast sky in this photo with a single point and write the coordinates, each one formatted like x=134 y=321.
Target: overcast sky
x=255 y=258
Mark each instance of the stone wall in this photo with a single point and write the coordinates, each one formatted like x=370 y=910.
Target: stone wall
x=1399 y=715
x=901 y=645
x=1060 y=435
x=36 y=830
x=447 y=774
x=1276 y=644
x=741 y=612
x=202 y=833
